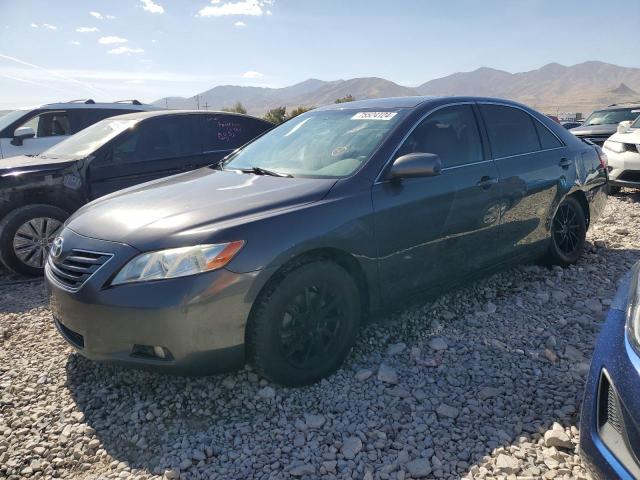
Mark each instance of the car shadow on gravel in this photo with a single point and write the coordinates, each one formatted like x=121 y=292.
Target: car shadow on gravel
x=511 y=360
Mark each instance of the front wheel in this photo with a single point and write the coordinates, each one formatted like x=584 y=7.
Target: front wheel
x=568 y=233
x=26 y=235
x=304 y=325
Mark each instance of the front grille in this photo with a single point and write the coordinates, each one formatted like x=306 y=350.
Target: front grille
x=73 y=337
x=631 y=147
x=73 y=269
x=630 y=176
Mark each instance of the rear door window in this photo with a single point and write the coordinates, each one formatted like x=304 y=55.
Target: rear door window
x=451 y=133
x=511 y=131
x=228 y=132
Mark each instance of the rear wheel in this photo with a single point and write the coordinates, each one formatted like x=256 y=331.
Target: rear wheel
x=304 y=326
x=568 y=233
x=26 y=235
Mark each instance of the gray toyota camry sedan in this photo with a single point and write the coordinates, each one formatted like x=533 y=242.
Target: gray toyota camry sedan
x=275 y=256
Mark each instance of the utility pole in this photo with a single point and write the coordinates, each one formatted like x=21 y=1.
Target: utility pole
x=198 y=101
x=206 y=105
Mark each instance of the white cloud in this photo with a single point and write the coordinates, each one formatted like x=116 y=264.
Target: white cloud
x=269 y=12
x=100 y=16
x=34 y=25
x=127 y=50
x=75 y=42
x=240 y=24
x=240 y=7
x=111 y=40
x=87 y=29
x=49 y=26
x=151 y=6
x=252 y=74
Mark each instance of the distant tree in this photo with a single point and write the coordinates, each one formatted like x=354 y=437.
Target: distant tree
x=276 y=115
x=299 y=110
x=237 y=108
x=348 y=98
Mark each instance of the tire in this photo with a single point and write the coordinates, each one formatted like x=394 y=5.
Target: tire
x=42 y=223
x=613 y=190
x=285 y=342
x=568 y=233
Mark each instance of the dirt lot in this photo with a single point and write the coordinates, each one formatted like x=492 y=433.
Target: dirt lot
x=484 y=382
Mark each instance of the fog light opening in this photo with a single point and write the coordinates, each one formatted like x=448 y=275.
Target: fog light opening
x=155 y=352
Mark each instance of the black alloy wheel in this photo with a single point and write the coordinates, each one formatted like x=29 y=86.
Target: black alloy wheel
x=568 y=233
x=304 y=323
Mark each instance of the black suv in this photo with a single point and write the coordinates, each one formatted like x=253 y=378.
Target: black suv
x=38 y=193
x=603 y=123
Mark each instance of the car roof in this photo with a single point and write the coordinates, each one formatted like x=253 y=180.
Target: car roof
x=412 y=102
x=164 y=113
x=616 y=106
x=90 y=104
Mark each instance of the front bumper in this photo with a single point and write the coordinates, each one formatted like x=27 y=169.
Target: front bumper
x=624 y=168
x=610 y=420
x=199 y=321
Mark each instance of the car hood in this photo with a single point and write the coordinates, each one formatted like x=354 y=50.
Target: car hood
x=595 y=129
x=631 y=136
x=23 y=164
x=191 y=206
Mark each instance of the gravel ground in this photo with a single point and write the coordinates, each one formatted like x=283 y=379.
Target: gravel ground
x=485 y=382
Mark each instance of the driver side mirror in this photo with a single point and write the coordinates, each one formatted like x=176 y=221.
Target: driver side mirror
x=21 y=134
x=415 y=165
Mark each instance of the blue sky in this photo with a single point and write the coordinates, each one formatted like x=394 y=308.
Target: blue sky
x=147 y=49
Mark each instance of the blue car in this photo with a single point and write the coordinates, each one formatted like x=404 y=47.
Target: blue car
x=610 y=423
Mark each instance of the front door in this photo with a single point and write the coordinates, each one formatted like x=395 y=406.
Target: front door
x=49 y=127
x=156 y=148
x=435 y=230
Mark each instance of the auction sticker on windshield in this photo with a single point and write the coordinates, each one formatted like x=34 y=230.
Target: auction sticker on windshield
x=374 y=116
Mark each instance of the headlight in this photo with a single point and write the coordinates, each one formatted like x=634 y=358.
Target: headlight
x=614 y=146
x=177 y=262
x=633 y=309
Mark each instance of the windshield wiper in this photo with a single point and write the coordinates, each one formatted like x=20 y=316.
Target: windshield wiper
x=264 y=171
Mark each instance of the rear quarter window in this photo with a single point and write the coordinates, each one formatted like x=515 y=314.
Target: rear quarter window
x=228 y=132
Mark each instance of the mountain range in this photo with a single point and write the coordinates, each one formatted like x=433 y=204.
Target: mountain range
x=552 y=88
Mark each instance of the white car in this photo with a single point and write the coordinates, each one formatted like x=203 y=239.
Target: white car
x=623 y=150
x=34 y=130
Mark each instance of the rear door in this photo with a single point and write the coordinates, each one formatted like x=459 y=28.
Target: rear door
x=222 y=133
x=157 y=147
x=435 y=230
x=536 y=170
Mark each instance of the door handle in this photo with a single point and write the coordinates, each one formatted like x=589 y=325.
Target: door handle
x=565 y=163
x=487 y=182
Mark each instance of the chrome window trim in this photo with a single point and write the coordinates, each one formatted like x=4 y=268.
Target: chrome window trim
x=50 y=265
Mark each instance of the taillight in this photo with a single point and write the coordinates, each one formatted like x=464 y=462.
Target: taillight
x=602 y=156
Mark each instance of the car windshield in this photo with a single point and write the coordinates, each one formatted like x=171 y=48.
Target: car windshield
x=331 y=144
x=613 y=116
x=88 y=140
x=8 y=118
x=636 y=124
